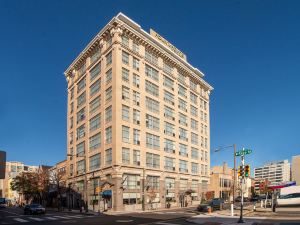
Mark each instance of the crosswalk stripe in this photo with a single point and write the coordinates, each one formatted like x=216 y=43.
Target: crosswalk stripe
x=36 y=219
x=162 y=223
x=50 y=218
x=21 y=220
x=76 y=216
x=62 y=217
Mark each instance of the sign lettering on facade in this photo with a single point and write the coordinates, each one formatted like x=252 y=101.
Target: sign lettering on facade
x=167 y=44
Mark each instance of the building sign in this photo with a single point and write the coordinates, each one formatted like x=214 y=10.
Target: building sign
x=167 y=44
x=2 y=164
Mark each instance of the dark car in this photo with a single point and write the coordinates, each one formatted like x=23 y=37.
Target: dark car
x=217 y=203
x=34 y=209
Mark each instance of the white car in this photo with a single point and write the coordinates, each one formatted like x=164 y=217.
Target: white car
x=292 y=199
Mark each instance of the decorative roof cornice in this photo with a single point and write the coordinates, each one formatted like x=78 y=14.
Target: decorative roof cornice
x=124 y=25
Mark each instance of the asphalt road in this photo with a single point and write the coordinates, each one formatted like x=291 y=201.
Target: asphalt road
x=15 y=216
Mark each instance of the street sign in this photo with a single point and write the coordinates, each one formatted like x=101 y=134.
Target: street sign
x=243 y=152
x=98 y=190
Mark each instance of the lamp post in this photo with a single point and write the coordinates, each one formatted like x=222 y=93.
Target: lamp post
x=85 y=180
x=234 y=166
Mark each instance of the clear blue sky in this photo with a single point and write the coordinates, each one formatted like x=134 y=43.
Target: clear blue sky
x=248 y=50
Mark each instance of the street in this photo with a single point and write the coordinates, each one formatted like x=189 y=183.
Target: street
x=181 y=216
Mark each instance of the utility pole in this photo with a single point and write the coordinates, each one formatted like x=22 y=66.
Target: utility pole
x=234 y=174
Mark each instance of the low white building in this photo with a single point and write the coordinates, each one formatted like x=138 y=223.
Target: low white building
x=273 y=172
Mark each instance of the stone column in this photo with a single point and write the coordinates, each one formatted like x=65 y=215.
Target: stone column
x=162 y=193
x=117 y=193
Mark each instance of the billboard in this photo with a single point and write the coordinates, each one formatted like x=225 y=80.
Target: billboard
x=2 y=164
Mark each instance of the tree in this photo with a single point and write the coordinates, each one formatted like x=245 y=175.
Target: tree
x=24 y=185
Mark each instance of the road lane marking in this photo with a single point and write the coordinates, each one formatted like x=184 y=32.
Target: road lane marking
x=36 y=219
x=10 y=212
x=62 y=217
x=21 y=220
x=50 y=218
x=76 y=216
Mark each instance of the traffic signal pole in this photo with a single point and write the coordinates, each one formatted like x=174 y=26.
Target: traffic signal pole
x=242 y=190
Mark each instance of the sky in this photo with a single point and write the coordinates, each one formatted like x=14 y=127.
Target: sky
x=249 y=52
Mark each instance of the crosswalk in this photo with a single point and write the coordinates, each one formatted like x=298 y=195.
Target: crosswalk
x=42 y=218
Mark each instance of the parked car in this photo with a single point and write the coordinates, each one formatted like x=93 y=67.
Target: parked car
x=217 y=203
x=238 y=199
x=292 y=199
x=203 y=207
x=255 y=198
x=34 y=209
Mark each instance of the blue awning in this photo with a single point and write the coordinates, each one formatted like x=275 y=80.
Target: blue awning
x=107 y=193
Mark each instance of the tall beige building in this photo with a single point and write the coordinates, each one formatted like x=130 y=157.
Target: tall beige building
x=138 y=121
x=296 y=169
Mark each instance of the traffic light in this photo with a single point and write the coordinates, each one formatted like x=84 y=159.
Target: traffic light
x=240 y=171
x=247 y=171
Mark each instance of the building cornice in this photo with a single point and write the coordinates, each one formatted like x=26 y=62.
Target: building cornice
x=123 y=24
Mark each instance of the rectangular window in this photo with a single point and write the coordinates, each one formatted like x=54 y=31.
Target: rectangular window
x=169 y=129
x=194 y=185
x=81 y=85
x=125 y=58
x=108 y=76
x=169 y=164
x=80 y=131
x=167 y=68
x=136 y=80
x=95 y=105
x=125 y=113
x=108 y=157
x=80 y=167
x=183 y=166
x=108 y=59
x=181 y=78
x=81 y=115
x=136 y=137
x=71 y=122
x=195 y=168
x=136 y=98
x=95 y=162
x=95 y=123
x=182 y=134
x=125 y=134
x=152 y=141
x=151 y=72
x=80 y=149
x=131 y=181
x=136 y=117
x=195 y=153
x=153 y=182
x=95 y=141
x=81 y=100
x=95 y=88
x=152 y=160
x=183 y=150
x=135 y=47
x=194 y=111
x=95 y=72
x=168 y=82
x=182 y=119
x=169 y=97
x=194 y=98
x=194 y=124
x=95 y=55
x=150 y=57
x=136 y=157
x=72 y=94
x=108 y=135
x=125 y=75
x=182 y=105
x=125 y=93
x=136 y=64
x=205 y=156
x=125 y=41
x=169 y=113
x=152 y=88
x=108 y=114
x=108 y=94
x=152 y=105
x=182 y=91
x=125 y=156
x=169 y=146
x=193 y=85
x=170 y=183
x=152 y=122
x=194 y=138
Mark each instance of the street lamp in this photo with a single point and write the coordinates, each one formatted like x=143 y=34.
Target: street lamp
x=234 y=161
x=85 y=179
